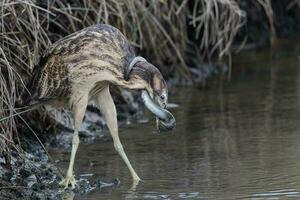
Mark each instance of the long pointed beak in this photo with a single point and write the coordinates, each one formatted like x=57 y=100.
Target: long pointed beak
x=166 y=121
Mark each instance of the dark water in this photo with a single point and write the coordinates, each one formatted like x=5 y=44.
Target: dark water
x=234 y=140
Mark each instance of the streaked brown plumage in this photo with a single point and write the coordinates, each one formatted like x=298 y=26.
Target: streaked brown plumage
x=85 y=53
x=79 y=68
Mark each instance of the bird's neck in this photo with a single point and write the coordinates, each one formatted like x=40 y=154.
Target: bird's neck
x=135 y=83
x=141 y=77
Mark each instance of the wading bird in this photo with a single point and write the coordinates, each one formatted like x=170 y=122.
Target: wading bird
x=78 y=69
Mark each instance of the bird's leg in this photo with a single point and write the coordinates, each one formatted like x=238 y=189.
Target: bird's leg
x=107 y=107
x=79 y=111
x=70 y=177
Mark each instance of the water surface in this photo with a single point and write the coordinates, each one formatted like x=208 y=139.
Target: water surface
x=237 y=139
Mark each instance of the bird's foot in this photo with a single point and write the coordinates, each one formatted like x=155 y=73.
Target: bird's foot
x=68 y=180
x=136 y=179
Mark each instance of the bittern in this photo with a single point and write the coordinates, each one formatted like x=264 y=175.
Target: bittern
x=78 y=70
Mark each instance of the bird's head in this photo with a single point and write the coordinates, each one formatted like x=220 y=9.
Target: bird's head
x=160 y=89
x=155 y=94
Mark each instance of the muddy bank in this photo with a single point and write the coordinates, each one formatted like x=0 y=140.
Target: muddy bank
x=34 y=177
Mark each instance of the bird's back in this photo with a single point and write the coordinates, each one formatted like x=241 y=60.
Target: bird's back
x=73 y=59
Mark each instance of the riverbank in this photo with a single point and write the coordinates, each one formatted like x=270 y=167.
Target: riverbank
x=188 y=51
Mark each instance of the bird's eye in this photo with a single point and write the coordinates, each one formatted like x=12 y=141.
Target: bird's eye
x=162 y=97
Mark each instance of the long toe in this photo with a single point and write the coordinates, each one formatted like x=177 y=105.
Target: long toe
x=68 y=180
x=65 y=183
x=73 y=182
x=136 y=179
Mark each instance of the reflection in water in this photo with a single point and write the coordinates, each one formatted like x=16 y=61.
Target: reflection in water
x=68 y=196
x=237 y=139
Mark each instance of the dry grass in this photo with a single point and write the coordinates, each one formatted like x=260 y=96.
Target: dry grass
x=267 y=5
x=217 y=22
x=158 y=29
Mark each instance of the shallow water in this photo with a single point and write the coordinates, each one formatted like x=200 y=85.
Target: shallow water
x=233 y=140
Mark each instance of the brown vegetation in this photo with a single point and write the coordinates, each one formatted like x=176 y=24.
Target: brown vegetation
x=160 y=30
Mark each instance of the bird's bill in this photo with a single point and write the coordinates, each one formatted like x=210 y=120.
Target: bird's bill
x=165 y=120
